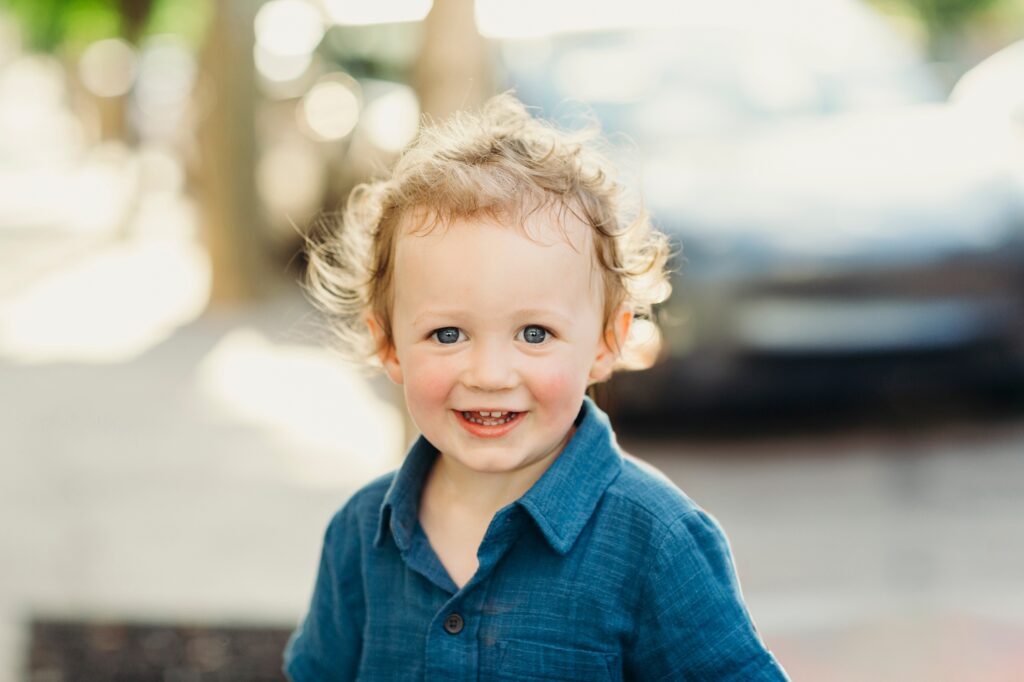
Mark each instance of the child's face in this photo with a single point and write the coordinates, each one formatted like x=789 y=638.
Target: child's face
x=485 y=318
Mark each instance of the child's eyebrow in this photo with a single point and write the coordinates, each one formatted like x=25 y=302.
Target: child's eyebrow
x=542 y=312
x=522 y=312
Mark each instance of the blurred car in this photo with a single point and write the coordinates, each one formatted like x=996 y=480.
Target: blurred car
x=991 y=92
x=845 y=231
x=993 y=86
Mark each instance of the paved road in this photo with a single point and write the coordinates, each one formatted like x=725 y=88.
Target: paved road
x=174 y=486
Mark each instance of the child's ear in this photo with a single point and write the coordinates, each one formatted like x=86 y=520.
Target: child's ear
x=387 y=356
x=611 y=344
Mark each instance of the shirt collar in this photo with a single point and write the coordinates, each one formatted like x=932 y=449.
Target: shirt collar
x=561 y=502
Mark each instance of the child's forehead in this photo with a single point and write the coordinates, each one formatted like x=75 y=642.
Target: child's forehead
x=545 y=224
x=530 y=252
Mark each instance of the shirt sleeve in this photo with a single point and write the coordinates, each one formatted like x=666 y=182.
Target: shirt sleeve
x=692 y=623
x=327 y=643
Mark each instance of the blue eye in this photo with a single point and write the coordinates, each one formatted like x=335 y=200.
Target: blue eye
x=446 y=335
x=534 y=334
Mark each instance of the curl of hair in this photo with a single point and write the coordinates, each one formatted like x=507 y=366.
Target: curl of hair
x=500 y=163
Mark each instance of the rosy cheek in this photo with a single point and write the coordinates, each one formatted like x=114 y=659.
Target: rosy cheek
x=431 y=381
x=556 y=387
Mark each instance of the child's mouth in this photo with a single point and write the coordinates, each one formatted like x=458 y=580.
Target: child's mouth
x=489 y=427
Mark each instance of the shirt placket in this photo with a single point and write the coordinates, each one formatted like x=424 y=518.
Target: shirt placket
x=452 y=642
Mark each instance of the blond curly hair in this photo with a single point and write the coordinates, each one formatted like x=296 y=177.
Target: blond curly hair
x=499 y=162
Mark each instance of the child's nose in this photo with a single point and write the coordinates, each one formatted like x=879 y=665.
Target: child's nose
x=491 y=368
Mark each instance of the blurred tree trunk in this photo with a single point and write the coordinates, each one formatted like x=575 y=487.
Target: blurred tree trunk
x=232 y=222
x=112 y=116
x=455 y=65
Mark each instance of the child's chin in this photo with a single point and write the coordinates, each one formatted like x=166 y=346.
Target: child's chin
x=492 y=460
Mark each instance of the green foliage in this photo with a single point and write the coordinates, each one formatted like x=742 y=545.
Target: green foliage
x=187 y=19
x=949 y=14
x=941 y=15
x=46 y=24
x=73 y=24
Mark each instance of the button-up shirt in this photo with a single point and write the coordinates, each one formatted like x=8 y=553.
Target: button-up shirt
x=602 y=570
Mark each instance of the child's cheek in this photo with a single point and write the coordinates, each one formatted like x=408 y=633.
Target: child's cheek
x=559 y=388
x=430 y=380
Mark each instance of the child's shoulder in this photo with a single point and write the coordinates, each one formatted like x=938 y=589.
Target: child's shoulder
x=648 y=515
x=363 y=506
x=644 y=496
x=371 y=495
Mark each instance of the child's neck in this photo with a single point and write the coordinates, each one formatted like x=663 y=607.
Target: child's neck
x=483 y=494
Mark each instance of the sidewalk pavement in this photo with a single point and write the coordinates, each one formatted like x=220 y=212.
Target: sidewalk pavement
x=170 y=488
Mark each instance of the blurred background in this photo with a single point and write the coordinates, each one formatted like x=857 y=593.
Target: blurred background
x=841 y=374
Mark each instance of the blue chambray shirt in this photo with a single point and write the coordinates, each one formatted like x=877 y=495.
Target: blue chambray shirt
x=603 y=570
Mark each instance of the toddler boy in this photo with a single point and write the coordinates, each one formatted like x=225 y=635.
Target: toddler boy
x=495 y=276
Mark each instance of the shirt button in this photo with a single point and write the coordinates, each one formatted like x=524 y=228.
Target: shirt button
x=453 y=624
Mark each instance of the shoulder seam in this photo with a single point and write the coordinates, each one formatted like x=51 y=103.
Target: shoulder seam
x=666 y=528
x=653 y=557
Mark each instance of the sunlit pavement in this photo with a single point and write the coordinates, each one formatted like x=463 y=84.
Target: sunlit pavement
x=192 y=482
